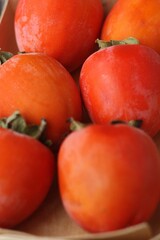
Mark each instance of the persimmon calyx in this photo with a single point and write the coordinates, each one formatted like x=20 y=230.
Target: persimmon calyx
x=134 y=123
x=17 y=123
x=75 y=125
x=4 y=56
x=104 y=44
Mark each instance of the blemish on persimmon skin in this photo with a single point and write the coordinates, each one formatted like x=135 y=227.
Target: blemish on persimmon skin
x=24 y=19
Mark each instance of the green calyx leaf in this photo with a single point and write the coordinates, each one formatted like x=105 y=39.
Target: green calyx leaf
x=104 y=44
x=4 y=56
x=75 y=125
x=18 y=124
x=134 y=123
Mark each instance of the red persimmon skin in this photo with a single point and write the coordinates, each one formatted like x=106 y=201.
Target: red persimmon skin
x=40 y=87
x=26 y=174
x=136 y=18
x=109 y=177
x=123 y=82
x=66 y=30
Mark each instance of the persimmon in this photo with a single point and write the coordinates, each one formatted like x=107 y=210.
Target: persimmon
x=39 y=87
x=123 y=82
x=109 y=176
x=26 y=174
x=66 y=30
x=135 y=18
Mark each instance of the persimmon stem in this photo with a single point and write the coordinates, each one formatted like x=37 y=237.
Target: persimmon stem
x=104 y=44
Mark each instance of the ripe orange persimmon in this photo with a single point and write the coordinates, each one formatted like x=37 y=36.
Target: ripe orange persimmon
x=109 y=176
x=135 y=18
x=65 y=30
x=26 y=175
x=39 y=87
x=123 y=82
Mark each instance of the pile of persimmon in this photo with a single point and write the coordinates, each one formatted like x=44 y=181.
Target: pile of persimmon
x=41 y=90
x=82 y=61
